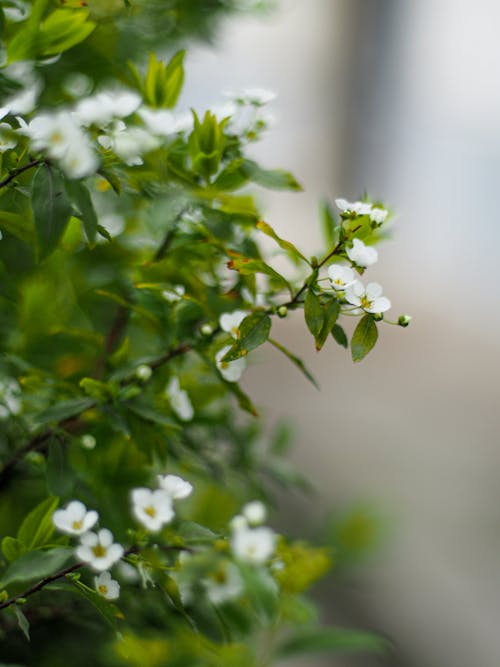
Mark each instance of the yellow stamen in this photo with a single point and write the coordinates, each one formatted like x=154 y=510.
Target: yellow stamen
x=77 y=525
x=150 y=511
x=99 y=551
x=103 y=589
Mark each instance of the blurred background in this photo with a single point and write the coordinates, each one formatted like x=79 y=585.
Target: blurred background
x=401 y=99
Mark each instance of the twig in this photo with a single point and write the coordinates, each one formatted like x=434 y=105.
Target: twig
x=15 y=172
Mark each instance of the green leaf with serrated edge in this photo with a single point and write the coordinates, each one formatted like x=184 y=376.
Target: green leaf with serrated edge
x=64 y=410
x=18 y=225
x=313 y=313
x=22 y=621
x=331 y=310
x=51 y=209
x=253 y=331
x=284 y=245
x=106 y=609
x=295 y=360
x=276 y=179
x=60 y=479
x=36 y=564
x=80 y=196
x=38 y=527
x=248 y=266
x=12 y=548
x=364 y=337
x=339 y=335
x=331 y=640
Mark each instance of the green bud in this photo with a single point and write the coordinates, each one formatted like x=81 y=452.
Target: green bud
x=282 y=311
x=404 y=320
x=378 y=316
x=143 y=372
x=88 y=441
x=206 y=329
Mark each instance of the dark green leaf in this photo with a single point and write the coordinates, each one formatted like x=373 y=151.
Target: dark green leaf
x=253 y=331
x=331 y=311
x=194 y=533
x=313 y=313
x=64 y=410
x=17 y=225
x=151 y=415
x=332 y=640
x=36 y=565
x=60 y=479
x=81 y=199
x=51 y=209
x=330 y=230
x=339 y=335
x=22 y=621
x=364 y=337
x=295 y=360
x=106 y=609
x=37 y=527
x=277 y=179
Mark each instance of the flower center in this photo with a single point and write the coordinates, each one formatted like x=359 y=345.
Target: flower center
x=99 y=551
x=77 y=525
x=103 y=589
x=365 y=302
x=150 y=511
x=56 y=137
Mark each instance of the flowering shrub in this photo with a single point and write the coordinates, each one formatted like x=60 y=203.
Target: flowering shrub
x=133 y=292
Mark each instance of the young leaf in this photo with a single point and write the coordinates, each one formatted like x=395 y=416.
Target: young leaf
x=330 y=230
x=313 y=313
x=51 y=209
x=284 y=245
x=62 y=29
x=331 y=640
x=37 y=527
x=18 y=225
x=12 y=548
x=295 y=360
x=22 y=621
x=364 y=338
x=248 y=266
x=253 y=331
x=80 y=197
x=276 y=179
x=339 y=335
x=36 y=565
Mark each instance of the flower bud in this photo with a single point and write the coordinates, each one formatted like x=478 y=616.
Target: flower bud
x=143 y=372
x=404 y=320
x=378 y=316
x=207 y=329
x=282 y=311
x=88 y=441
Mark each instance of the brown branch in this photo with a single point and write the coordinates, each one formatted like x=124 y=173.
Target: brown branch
x=78 y=566
x=116 y=330
x=15 y=172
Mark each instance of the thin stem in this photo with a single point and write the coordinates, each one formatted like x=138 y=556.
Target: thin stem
x=15 y=172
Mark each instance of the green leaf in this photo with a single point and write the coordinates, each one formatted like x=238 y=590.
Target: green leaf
x=51 y=209
x=12 y=548
x=37 y=527
x=232 y=177
x=151 y=415
x=36 y=565
x=60 y=480
x=64 y=410
x=331 y=310
x=18 y=225
x=364 y=338
x=163 y=83
x=295 y=360
x=80 y=197
x=313 y=313
x=194 y=533
x=276 y=179
x=22 y=621
x=244 y=401
x=106 y=609
x=261 y=590
x=339 y=335
x=253 y=331
x=248 y=266
x=330 y=229
x=284 y=245
x=331 y=640
x=63 y=29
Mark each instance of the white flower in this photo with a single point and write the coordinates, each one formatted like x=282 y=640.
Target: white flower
x=164 y=123
x=254 y=512
x=102 y=108
x=238 y=522
x=172 y=296
x=231 y=371
x=179 y=400
x=152 y=508
x=10 y=398
x=128 y=143
x=224 y=584
x=98 y=550
x=230 y=322
x=63 y=140
x=378 y=215
x=174 y=486
x=369 y=299
x=19 y=12
x=75 y=519
x=253 y=545
x=7 y=137
x=358 y=207
x=361 y=254
x=106 y=586
x=254 y=96
x=340 y=276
